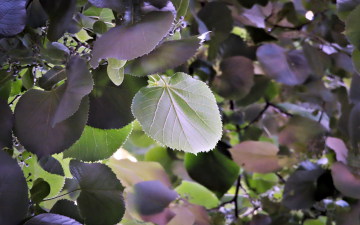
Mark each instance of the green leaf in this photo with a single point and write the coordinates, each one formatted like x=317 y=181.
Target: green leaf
x=83 y=36
x=168 y=55
x=14 y=22
x=144 y=36
x=96 y=144
x=181 y=7
x=98 y=187
x=39 y=190
x=6 y=124
x=51 y=219
x=28 y=79
x=115 y=70
x=179 y=112
x=286 y=67
x=13 y=190
x=212 y=169
x=258 y=157
x=352 y=30
x=197 y=194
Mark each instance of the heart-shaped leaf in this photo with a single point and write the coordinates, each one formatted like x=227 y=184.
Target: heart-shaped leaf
x=98 y=187
x=166 y=56
x=13 y=191
x=96 y=144
x=34 y=129
x=14 y=22
x=39 y=190
x=51 y=219
x=6 y=124
x=129 y=42
x=290 y=68
x=179 y=112
x=51 y=165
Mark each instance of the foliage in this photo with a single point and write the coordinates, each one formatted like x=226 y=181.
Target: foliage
x=180 y=112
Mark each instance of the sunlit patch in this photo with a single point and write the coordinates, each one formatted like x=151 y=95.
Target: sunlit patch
x=123 y=154
x=309 y=15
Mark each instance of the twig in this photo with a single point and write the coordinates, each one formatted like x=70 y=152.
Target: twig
x=258 y=117
x=48 y=199
x=283 y=111
x=14 y=99
x=238 y=184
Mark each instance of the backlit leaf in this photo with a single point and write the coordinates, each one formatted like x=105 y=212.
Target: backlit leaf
x=96 y=144
x=352 y=30
x=144 y=36
x=179 y=112
x=115 y=70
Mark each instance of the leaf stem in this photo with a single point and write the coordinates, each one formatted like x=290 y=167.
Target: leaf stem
x=48 y=199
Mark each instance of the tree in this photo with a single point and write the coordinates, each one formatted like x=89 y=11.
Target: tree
x=179 y=112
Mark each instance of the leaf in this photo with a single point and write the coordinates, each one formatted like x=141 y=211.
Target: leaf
x=51 y=219
x=36 y=15
x=303 y=135
x=13 y=190
x=36 y=133
x=339 y=148
x=55 y=53
x=151 y=197
x=67 y=208
x=6 y=124
x=352 y=30
x=110 y=105
x=166 y=56
x=96 y=144
x=14 y=22
x=130 y=173
x=79 y=84
x=115 y=70
x=181 y=7
x=197 y=194
x=144 y=36
x=286 y=67
x=98 y=187
x=344 y=7
x=237 y=77
x=51 y=165
x=258 y=157
x=39 y=190
x=299 y=191
x=345 y=181
x=213 y=170
x=179 y=112
x=60 y=14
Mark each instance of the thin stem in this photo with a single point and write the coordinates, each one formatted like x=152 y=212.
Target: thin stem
x=238 y=184
x=258 y=117
x=48 y=199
